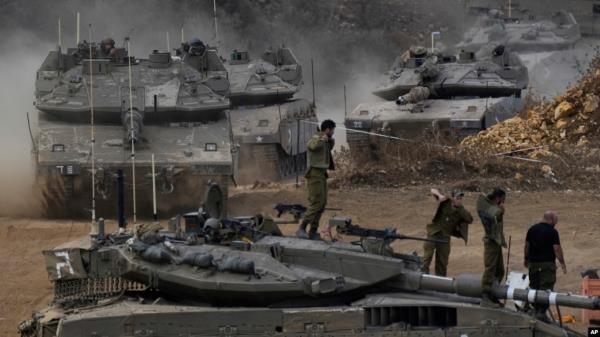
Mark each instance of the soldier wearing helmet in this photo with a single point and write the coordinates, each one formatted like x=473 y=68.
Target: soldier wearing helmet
x=107 y=48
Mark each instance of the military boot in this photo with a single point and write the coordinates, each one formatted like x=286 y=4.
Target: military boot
x=301 y=232
x=488 y=301
x=313 y=234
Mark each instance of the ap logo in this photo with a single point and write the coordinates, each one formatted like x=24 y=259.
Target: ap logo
x=593 y=332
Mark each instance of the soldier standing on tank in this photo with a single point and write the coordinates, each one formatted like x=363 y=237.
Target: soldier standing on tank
x=542 y=249
x=319 y=161
x=448 y=219
x=490 y=209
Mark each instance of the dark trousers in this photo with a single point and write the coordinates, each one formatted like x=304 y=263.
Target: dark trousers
x=542 y=276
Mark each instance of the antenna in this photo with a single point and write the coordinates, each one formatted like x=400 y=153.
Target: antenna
x=78 y=22
x=59 y=34
x=345 y=108
x=168 y=43
x=216 y=26
x=155 y=215
x=312 y=78
x=132 y=130
x=92 y=133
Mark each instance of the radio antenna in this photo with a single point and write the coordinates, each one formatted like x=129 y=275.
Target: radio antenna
x=92 y=131
x=131 y=125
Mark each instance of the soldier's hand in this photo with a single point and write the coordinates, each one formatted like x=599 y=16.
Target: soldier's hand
x=324 y=137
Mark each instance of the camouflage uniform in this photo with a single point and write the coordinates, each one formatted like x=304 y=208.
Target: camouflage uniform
x=445 y=223
x=319 y=161
x=491 y=216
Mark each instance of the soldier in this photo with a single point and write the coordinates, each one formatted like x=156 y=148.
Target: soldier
x=107 y=47
x=542 y=248
x=319 y=161
x=448 y=219
x=490 y=209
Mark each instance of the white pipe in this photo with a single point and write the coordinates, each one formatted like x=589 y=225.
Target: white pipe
x=154 y=189
x=92 y=133
x=132 y=131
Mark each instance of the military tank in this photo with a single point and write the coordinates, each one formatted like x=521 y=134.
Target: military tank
x=490 y=72
x=219 y=277
x=270 y=126
x=415 y=115
x=169 y=110
x=523 y=33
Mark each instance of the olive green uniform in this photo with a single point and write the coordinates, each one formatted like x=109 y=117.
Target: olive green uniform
x=319 y=161
x=491 y=216
x=445 y=223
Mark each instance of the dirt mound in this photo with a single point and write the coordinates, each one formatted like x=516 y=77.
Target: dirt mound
x=568 y=123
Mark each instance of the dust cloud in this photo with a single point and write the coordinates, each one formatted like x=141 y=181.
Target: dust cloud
x=350 y=42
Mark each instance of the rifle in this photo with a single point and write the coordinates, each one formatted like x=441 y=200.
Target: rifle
x=296 y=210
x=344 y=226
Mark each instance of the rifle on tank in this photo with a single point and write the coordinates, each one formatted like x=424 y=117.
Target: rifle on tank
x=296 y=210
x=344 y=226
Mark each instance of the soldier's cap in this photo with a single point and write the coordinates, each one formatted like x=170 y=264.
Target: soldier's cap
x=457 y=193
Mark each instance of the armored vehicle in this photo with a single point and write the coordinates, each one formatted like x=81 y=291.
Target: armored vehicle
x=414 y=115
x=168 y=109
x=523 y=34
x=216 y=277
x=270 y=126
x=490 y=72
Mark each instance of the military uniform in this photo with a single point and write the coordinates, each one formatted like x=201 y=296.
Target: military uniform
x=491 y=216
x=319 y=161
x=445 y=223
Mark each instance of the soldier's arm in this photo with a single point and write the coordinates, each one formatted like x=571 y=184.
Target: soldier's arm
x=466 y=215
x=438 y=195
x=559 y=255
x=315 y=144
x=559 y=252
x=331 y=143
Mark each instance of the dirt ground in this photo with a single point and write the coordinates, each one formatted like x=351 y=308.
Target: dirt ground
x=25 y=287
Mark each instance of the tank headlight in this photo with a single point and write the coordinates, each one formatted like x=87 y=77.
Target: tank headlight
x=58 y=148
x=212 y=147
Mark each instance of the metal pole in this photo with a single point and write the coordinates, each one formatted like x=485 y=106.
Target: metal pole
x=345 y=106
x=132 y=132
x=216 y=26
x=78 y=22
x=92 y=133
x=297 y=152
x=59 y=33
x=168 y=43
x=182 y=37
x=507 y=258
x=155 y=215
x=312 y=78
x=120 y=199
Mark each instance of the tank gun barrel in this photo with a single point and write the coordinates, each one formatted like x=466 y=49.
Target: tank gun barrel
x=470 y=285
